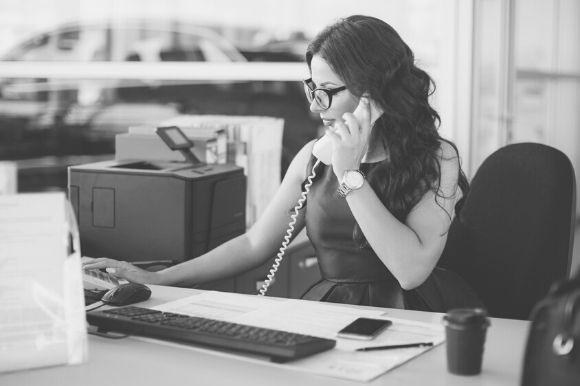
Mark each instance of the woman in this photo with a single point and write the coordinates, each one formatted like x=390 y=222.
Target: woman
x=379 y=214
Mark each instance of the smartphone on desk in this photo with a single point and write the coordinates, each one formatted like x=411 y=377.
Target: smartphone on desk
x=364 y=328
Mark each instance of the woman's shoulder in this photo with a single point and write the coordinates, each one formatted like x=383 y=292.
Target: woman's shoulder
x=447 y=151
x=450 y=169
x=301 y=161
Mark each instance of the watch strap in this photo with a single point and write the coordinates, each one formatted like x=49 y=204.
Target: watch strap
x=343 y=188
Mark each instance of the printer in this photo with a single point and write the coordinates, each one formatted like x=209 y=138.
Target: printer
x=156 y=211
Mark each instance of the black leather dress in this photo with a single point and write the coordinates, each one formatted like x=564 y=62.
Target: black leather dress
x=355 y=275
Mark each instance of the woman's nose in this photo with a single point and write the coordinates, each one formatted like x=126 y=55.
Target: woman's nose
x=315 y=107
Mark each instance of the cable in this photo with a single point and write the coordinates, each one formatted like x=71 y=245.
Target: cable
x=289 y=231
x=94 y=306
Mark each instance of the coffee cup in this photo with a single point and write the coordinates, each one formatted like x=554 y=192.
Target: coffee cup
x=465 y=330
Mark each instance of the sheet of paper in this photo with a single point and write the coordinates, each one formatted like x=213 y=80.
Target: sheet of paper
x=311 y=318
x=318 y=319
x=35 y=318
x=217 y=305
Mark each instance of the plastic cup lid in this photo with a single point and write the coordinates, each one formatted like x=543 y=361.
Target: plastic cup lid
x=466 y=316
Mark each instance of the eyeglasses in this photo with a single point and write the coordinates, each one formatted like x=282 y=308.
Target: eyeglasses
x=323 y=96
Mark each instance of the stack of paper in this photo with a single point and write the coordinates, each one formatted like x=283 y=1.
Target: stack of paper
x=141 y=142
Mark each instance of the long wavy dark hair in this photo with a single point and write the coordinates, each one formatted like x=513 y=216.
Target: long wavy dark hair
x=371 y=58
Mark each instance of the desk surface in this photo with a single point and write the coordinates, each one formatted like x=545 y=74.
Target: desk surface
x=137 y=362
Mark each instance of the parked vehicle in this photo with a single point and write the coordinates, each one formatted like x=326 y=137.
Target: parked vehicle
x=49 y=124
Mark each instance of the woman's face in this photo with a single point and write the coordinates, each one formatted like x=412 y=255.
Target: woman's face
x=342 y=102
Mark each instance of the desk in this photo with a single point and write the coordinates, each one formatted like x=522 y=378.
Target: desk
x=140 y=363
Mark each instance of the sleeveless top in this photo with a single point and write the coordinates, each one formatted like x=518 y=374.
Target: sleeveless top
x=355 y=275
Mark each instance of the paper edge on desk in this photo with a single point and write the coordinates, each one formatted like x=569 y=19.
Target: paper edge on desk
x=297 y=365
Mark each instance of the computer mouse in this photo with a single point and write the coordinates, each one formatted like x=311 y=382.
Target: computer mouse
x=125 y=294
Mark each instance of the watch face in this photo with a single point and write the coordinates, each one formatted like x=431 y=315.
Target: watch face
x=353 y=179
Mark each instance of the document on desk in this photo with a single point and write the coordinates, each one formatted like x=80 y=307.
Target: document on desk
x=42 y=320
x=319 y=319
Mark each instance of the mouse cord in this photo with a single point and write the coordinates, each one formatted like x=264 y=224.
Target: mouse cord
x=94 y=306
x=289 y=232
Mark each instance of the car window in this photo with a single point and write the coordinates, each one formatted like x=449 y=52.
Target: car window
x=183 y=48
x=68 y=40
x=138 y=42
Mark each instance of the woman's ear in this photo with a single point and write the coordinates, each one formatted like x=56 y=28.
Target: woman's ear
x=376 y=110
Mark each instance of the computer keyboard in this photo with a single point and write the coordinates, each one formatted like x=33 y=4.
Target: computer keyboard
x=280 y=346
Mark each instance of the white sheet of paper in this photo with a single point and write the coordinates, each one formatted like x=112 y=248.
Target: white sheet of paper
x=318 y=319
x=216 y=305
x=35 y=317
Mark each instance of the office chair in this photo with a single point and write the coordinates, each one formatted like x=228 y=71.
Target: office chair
x=513 y=237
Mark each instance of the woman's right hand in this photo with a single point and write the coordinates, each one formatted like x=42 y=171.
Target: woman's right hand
x=121 y=270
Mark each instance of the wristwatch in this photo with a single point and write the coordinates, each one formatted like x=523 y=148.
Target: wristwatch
x=351 y=180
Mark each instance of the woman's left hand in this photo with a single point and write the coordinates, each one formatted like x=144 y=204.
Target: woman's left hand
x=121 y=269
x=350 y=138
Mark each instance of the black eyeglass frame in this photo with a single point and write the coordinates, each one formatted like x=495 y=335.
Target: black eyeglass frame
x=330 y=92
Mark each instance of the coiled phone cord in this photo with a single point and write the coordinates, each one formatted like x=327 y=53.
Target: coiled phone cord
x=289 y=231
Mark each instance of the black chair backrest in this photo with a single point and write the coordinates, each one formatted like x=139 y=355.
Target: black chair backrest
x=513 y=237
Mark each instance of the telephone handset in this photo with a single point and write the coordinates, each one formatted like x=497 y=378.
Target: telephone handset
x=322 y=150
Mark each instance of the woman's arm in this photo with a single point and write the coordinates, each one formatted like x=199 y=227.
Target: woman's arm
x=410 y=250
x=237 y=255
x=254 y=247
